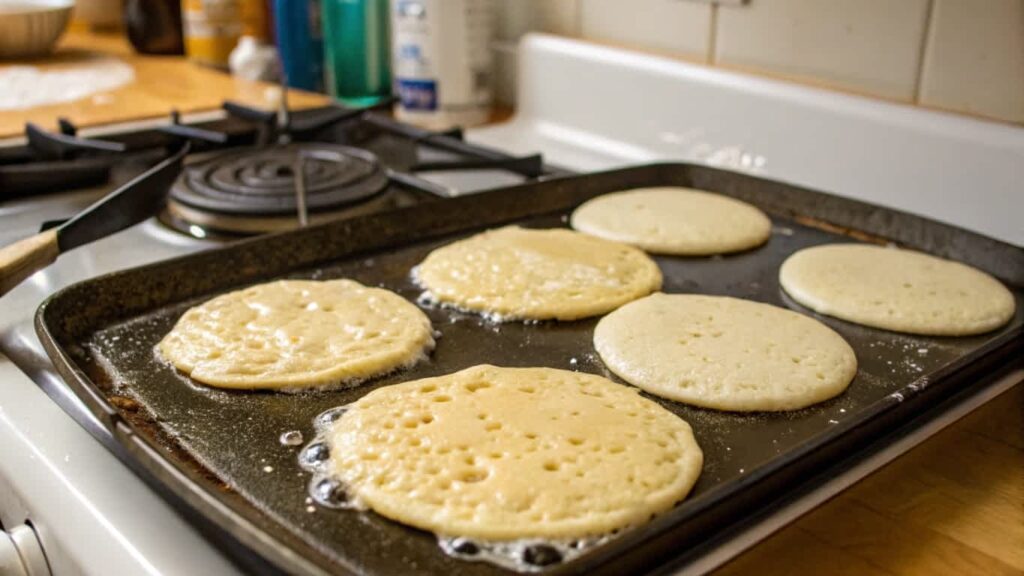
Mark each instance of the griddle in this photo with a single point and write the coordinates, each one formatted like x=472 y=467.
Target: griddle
x=215 y=454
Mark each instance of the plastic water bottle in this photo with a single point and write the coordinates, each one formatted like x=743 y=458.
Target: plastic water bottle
x=154 y=26
x=442 y=61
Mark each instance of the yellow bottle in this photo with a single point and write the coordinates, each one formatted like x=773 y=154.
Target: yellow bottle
x=212 y=27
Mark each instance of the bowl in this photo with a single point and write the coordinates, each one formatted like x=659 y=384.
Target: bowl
x=30 y=28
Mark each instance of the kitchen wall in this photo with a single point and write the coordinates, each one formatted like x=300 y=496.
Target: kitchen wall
x=959 y=55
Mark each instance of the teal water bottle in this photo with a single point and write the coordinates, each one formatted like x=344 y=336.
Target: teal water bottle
x=357 y=53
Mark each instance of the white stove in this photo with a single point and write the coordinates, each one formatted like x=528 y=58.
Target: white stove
x=92 y=515
x=585 y=108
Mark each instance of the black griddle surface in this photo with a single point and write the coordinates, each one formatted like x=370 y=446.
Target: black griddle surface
x=227 y=444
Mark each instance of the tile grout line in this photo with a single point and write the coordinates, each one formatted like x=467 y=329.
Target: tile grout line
x=712 y=35
x=922 y=53
x=577 y=16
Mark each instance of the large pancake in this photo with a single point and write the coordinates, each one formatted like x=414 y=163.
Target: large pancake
x=507 y=453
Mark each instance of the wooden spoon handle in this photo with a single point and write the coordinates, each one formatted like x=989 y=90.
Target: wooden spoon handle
x=25 y=257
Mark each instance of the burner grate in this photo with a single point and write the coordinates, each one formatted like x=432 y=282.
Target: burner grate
x=261 y=181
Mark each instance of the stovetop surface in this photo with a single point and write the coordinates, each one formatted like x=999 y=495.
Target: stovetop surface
x=421 y=166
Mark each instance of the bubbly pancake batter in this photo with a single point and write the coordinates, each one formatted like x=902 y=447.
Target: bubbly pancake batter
x=296 y=334
x=517 y=273
x=507 y=453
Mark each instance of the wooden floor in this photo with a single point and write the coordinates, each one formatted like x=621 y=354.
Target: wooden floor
x=953 y=505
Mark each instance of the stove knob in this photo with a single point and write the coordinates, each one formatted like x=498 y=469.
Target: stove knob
x=21 y=554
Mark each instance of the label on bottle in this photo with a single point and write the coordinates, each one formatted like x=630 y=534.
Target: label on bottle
x=415 y=39
x=417 y=94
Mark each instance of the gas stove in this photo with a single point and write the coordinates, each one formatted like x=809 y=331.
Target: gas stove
x=92 y=515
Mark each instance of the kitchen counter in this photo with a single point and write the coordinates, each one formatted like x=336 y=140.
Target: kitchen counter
x=953 y=505
x=161 y=83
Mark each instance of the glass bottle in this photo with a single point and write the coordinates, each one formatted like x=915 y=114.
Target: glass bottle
x=154 y=26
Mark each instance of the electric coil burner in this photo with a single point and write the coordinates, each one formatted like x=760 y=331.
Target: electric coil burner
x=253 y=190
x=254 y=171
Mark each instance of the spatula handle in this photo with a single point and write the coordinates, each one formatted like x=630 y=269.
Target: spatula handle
x=25 y=257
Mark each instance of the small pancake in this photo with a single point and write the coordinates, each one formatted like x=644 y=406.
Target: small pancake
x=674 y=220
x=724 y=353
x=516 y=273
x=508 y=453
x=297 y=334
x=894 y=289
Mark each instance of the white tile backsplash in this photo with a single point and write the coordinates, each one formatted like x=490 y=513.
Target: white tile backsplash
x=674 y=26
x=559 y=16
x=869 y=46
x=974 y=58
x=505 y=69
x=960 y=55
x=515 y=17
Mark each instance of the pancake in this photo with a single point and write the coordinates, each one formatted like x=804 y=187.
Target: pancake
x=297 y=334
x=509 y=453
x=724 y=353
x=515 y=273
x=674 y=220
x=894 y=289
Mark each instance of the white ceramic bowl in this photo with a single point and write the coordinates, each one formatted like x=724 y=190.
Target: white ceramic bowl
x=30 y=28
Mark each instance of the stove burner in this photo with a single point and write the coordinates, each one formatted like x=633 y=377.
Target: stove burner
x=204 y=224
x=261 y=181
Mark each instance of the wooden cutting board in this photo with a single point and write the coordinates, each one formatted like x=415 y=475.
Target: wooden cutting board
x=161 y=83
